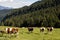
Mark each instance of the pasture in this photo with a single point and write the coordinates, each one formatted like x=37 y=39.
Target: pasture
x=24 y=34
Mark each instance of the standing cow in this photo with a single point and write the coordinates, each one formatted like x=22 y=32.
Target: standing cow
x=49 y=29
x=42 y=29
x=30 y=29
x=11 y=30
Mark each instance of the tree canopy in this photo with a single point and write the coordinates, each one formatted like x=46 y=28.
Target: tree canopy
x=41 y=13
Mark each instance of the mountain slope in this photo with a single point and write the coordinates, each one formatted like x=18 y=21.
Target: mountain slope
x=41 y=13
x=3 y=13
x=4 y=8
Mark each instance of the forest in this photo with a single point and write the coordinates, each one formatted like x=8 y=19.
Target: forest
x=44 y=13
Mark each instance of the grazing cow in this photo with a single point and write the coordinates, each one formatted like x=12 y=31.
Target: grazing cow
x=42 y=29
x=11 y=30
x=30 y=29
x=49 y=29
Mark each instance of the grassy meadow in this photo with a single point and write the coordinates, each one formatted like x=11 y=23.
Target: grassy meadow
x=23 y=34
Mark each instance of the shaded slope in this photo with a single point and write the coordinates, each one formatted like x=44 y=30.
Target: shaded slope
x=40 y=13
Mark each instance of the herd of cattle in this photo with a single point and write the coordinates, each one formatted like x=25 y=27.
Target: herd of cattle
x=42 y=29
x=30 y=29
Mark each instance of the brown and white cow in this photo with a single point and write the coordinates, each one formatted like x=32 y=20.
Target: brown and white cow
x=30 y=29
x=42 y=29
x=11 y=30
x=49 y=29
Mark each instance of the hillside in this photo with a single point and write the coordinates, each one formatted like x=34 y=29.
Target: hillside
x=4 y=8
x=4 y=12
x=41 y=13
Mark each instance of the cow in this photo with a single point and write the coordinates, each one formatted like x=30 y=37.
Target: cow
x=30 y=29
x=49 y=29
x=11 y=30
x=42 y=29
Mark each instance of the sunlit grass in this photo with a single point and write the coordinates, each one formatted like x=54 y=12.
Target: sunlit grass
x=36 y=35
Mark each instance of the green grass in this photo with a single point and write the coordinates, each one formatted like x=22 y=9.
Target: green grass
x=36 y=35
